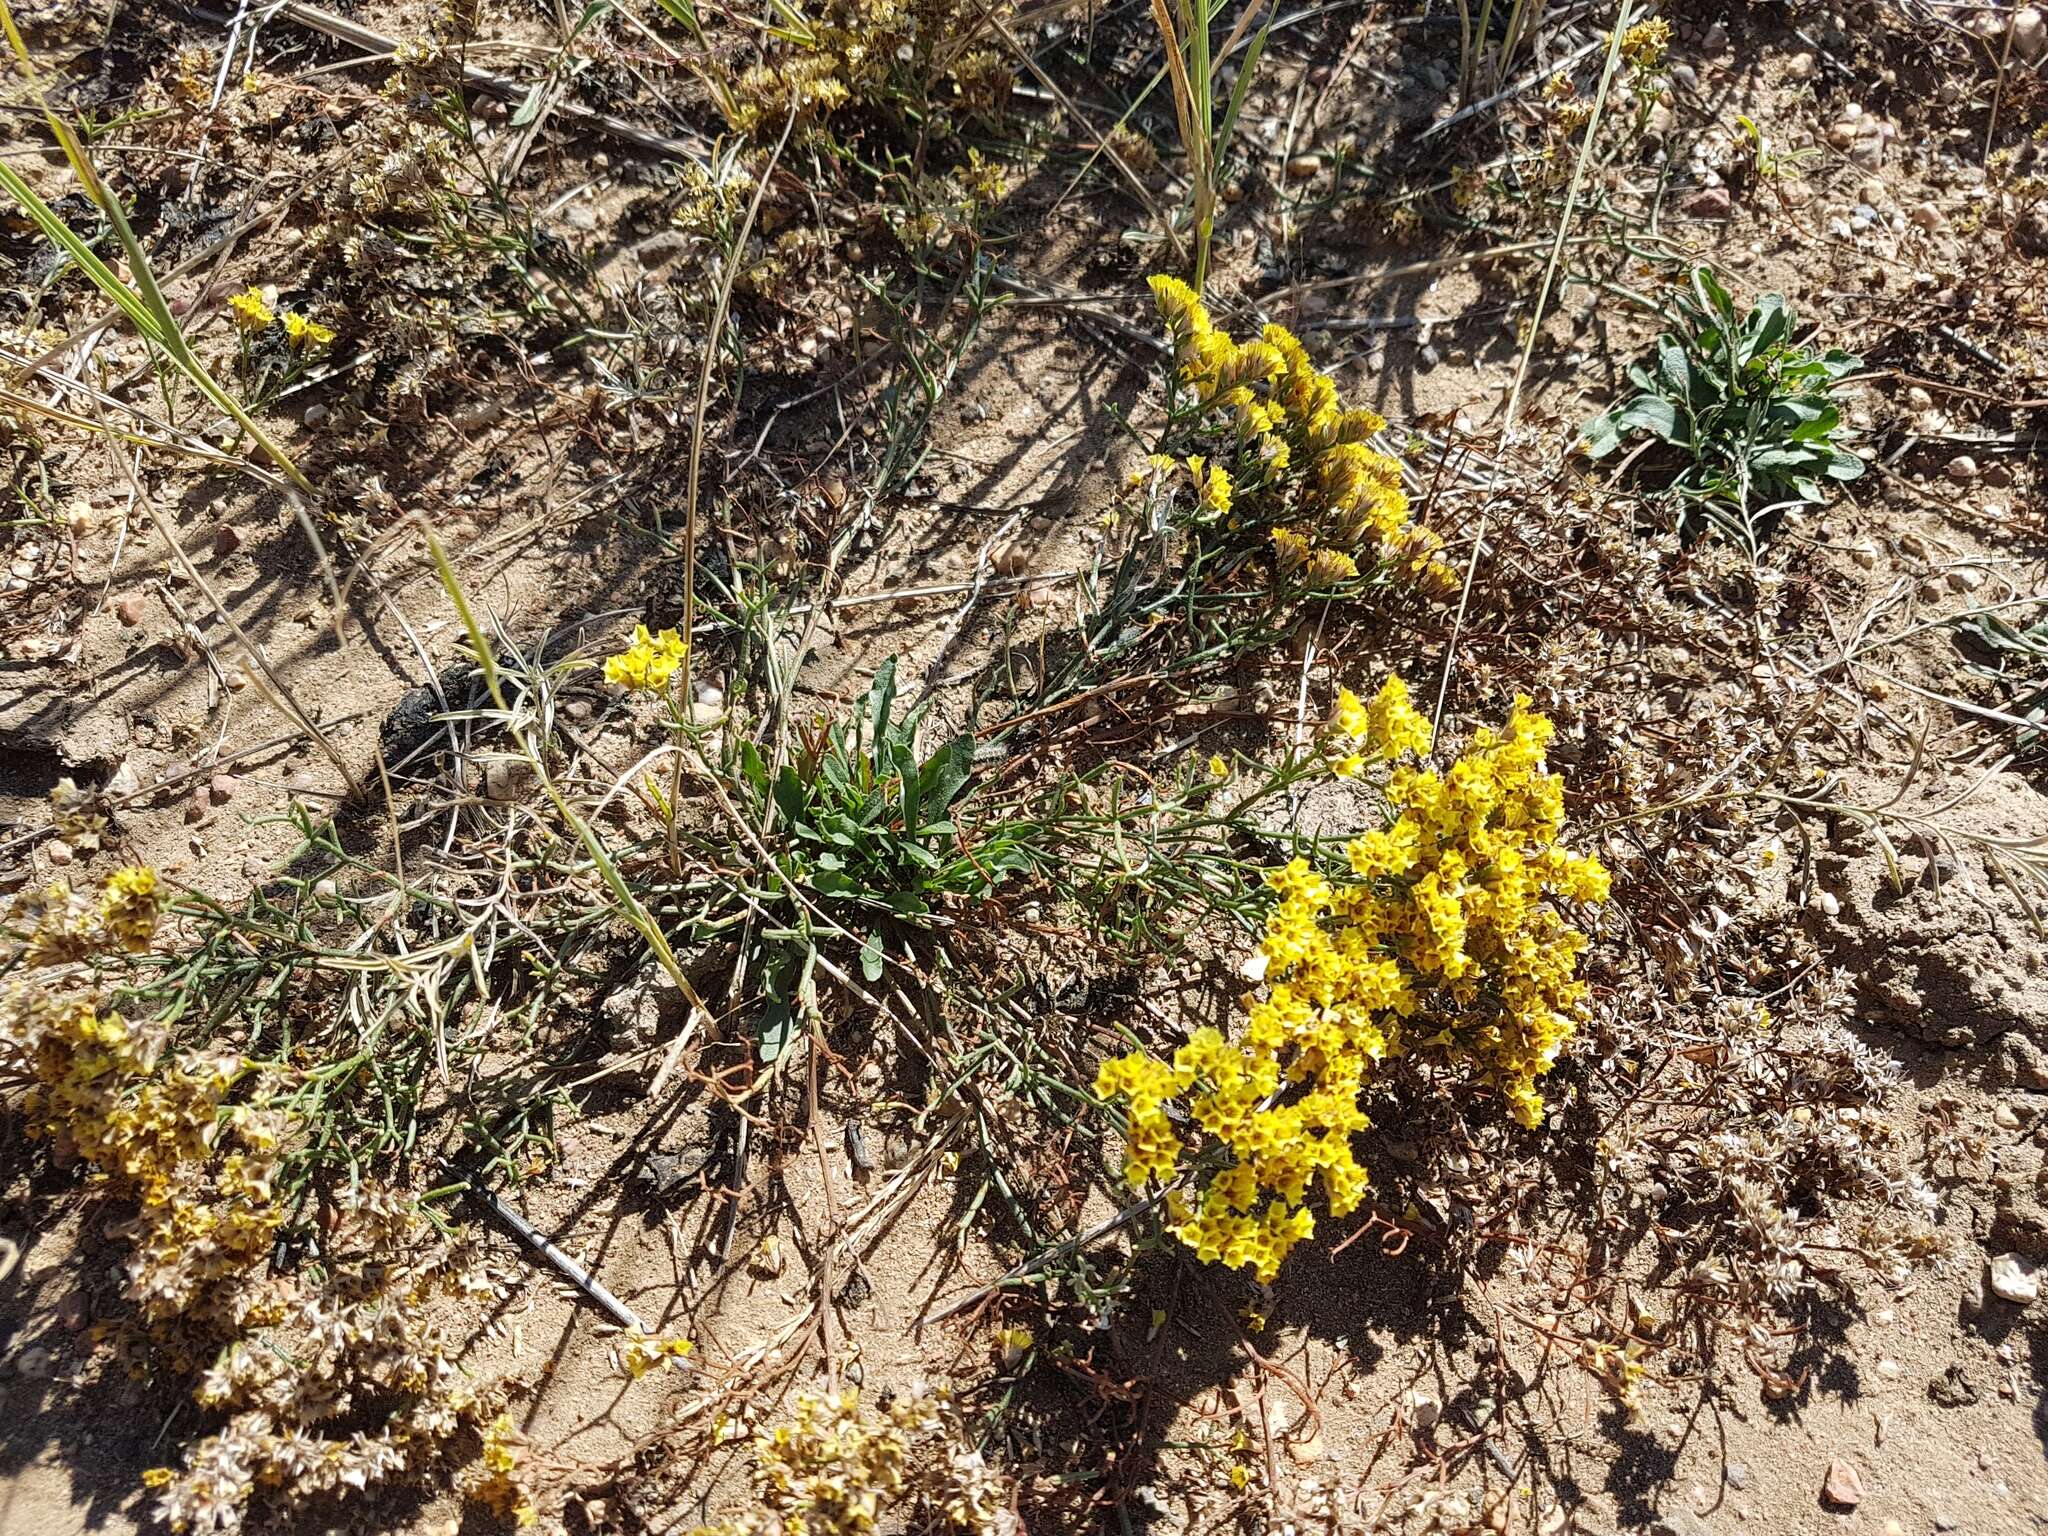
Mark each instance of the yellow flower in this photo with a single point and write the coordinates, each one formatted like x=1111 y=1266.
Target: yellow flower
x=1393 y=725
x=1219 y=770
x=639 y=1353
x=1290 y=550
x=1212 y=490
x=648 y=663
x=304 y=331
x=1328 y=567
x=252 y=313
x=129 y=907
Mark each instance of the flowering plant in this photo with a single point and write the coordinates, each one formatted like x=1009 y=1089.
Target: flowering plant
x=1282 y=464
x=1444 y=933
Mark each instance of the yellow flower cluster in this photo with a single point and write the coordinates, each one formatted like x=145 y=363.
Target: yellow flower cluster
x=1288 y=458
x=640 y=1353
x=59 y=925
x=648 y=663
x=1647 y=43
x=253 y=313
x=1447 y=937
x=495 y=1482
x=835 y=1470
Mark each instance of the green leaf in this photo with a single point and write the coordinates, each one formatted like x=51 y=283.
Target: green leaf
x=777 y=1028
x=1600 y=436
x=1655 y=415
x=1672 y=366
x=944 y=774
x=791 y=803
x=684 y=12
x=871 y=958
x=1713 y=297
x=881 y=701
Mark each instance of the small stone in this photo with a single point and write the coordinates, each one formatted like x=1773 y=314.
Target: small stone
x=2006 y=1118
x=1864 y=554
x=1716 y=38
x=1829 y=904
x=314 y=414
x=225 y=541
x=2030 y=34
x=1736 y=1475
x=1927 y=216
x=1423 y=1408
x=1708 y=203
x=1944 y=1521
x=2015 y=1278
x=475 y=415
x=128 y=609
x=197 y=806
x=1801 y=66
x=221 y=788
x=505 y=778
x=1965 y=578
x=58 y=851
x=1890 y=1369
x=1962 y=467
x=1844 y=1485
x=34 y=1363
x=1680 y=1522
x=1301 y=167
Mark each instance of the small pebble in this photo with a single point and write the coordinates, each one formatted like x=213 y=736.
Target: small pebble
x=2016 y=1279
x=1423 y=1408
x=2006 y=1118
x=1844 y=1484
x=128 y=609
x=1962 y=467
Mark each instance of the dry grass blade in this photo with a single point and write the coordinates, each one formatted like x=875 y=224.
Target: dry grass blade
x=713 y=338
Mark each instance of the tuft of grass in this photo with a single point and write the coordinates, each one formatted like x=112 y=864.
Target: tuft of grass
x=1194 y=70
